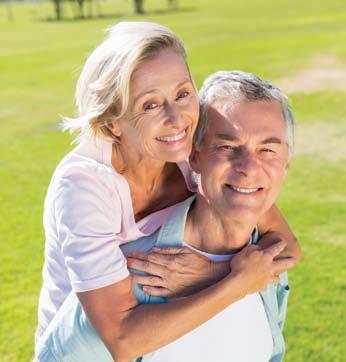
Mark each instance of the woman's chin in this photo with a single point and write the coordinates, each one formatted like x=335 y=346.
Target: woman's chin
x=175 y=155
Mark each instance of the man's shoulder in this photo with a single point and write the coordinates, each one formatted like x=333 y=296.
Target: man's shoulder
x=171 y=232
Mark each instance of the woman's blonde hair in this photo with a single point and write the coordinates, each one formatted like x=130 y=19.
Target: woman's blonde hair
x=102 y=92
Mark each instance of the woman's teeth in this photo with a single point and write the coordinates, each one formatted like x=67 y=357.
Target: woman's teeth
x=244 y=190
x=177 y=137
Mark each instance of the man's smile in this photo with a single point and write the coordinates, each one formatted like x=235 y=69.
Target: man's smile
x=244 y=190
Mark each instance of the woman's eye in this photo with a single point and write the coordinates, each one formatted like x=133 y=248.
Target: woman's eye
x=183 y=95
x=150 y=106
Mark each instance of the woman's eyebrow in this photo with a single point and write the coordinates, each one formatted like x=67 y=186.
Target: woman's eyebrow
x=155 y=90
x=140 y=95
x=186 y=80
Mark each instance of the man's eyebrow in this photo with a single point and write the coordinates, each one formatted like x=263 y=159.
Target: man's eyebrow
x=232 y=138
x=140 y=95
x=226 y=137
x=271 y=140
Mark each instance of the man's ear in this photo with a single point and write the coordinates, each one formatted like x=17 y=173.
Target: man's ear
x=194 y=158
x=287 y=169
x=114 y=128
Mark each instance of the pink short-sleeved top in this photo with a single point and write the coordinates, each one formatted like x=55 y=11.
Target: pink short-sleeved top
x=88 y=213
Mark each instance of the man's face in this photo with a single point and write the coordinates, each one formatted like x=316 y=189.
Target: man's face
x=243 y=159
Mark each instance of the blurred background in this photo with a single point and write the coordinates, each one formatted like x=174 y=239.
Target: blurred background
x=299 y=45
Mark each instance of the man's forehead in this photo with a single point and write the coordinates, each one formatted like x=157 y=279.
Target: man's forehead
x=257 y=118
x=225 y=104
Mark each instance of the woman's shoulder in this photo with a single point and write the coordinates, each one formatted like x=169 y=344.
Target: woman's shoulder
x=79 y=176
x=83 y=196
x=76 y=169
x=88 y=162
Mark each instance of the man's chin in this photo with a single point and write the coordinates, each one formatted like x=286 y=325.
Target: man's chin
x=241 y=214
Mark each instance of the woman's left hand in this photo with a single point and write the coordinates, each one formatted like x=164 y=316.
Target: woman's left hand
x=175 y=271
x=292 y=249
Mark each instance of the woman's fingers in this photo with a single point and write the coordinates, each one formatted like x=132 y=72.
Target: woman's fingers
x=169 y=250
x=161 y=259
x=157 y=292
x=153 y=257
x=138 y=255
x=146 y=266
x=282 y=265
x=275 y=249
x=148 y=280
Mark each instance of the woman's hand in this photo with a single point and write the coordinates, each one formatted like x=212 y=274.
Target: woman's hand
x=259 y=267
x=175 y=271
x=291 y=250
x=274 y=228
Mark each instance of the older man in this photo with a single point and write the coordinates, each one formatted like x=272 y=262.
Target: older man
x=241 y=157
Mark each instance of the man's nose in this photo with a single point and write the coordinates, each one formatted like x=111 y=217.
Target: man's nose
x=246 y=163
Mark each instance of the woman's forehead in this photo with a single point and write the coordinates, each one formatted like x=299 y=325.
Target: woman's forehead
x=167 y=68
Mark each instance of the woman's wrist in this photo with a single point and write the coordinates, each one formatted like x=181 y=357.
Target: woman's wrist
x=219 y=270
x=237 y=281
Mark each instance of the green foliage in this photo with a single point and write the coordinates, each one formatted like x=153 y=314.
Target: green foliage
x=40 y=62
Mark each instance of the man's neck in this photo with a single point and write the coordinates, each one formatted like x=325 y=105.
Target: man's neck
x=213 y=233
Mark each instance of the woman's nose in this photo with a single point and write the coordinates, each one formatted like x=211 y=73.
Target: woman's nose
x=173 y=115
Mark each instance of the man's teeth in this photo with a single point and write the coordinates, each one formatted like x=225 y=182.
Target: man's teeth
x=244 y=191
x=177 y=137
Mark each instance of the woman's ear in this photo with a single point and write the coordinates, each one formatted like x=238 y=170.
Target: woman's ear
x=114 y=128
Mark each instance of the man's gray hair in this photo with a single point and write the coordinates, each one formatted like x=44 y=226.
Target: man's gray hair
x=237 y=86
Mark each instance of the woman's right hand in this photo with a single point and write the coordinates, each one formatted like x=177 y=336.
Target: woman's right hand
x=257 y=267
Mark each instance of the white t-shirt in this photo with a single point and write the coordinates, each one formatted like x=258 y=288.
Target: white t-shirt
x=240 y=333
x=87 y=214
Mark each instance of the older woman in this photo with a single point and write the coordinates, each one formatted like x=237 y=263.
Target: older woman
x=138 y=110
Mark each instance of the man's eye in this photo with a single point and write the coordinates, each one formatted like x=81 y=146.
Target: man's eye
x=183 y=95
x=226 y=148
x=150 y=106
x=267 y=150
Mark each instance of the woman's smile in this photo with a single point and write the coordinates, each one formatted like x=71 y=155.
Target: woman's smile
x=174 y=138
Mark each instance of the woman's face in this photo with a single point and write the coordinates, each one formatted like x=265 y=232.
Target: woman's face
x=163 y=111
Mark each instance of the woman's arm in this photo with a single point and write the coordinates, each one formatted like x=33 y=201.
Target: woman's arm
x=180 y=271
x=273 y=228
x=174 y=272
x=120 y=322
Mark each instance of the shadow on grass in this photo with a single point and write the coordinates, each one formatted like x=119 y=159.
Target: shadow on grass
x=182 y=9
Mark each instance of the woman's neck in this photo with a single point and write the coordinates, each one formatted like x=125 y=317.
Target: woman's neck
x=137 y=169
x=154 y=184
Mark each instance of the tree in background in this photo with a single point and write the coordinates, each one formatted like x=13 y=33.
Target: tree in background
x=81 y=8
x=173 y=3
x=58 y=9
x=138 y=6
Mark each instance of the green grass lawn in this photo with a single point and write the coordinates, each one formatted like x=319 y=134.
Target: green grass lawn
x=39 y=64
